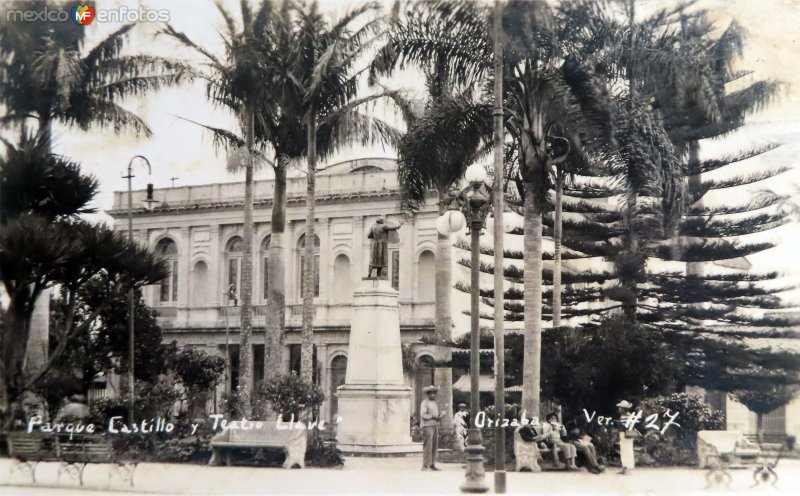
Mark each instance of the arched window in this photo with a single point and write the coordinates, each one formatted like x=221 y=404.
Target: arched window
x=426 y=276
x=265 y=266
x=233 y=254
x=199 y=286
x=168 y=251
x=301 y=245
x=342 y=292
x=338 y=376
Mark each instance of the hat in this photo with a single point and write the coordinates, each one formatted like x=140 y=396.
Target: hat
x=462 y=404
x=624 y=404
x=430 y=389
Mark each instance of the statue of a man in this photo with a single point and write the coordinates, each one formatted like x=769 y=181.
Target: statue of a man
x=379 y=255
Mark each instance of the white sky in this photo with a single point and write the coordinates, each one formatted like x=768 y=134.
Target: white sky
x=183 y=150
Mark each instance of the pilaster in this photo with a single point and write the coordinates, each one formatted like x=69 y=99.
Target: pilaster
x=184 y=262
x=214 y=265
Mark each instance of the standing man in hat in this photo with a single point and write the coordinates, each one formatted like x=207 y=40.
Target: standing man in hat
x=625 y=438
x=429 y=420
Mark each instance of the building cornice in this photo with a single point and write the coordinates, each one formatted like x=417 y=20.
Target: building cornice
x=238 y=203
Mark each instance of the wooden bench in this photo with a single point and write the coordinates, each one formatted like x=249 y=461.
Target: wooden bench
x=30 y=449
x=73 y=452
x=259 y=435
x=726 y=449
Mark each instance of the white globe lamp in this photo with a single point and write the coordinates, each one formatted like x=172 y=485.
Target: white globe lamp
x=450 y=222
x=475 y=173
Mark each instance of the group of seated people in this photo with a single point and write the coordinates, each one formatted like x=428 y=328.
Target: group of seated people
x=568 y=441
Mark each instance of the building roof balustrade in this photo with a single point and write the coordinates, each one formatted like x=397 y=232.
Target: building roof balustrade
x=363 y=181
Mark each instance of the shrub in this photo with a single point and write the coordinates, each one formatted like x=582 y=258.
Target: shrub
x=199 y=373
x=677 y=445
x=155 y=399
x=102 y=409
x=693 y=414
x=290 y=395
x=321 y=453
x=231 y=405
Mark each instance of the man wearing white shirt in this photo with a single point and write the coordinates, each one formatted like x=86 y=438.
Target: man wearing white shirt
x=429 y=420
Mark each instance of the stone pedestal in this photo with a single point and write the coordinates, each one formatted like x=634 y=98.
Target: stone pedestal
x=374 y=403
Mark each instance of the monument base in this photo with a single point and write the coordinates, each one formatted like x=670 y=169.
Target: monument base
x=375 y=420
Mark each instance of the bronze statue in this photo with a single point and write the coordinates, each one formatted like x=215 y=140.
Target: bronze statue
x=379 y=233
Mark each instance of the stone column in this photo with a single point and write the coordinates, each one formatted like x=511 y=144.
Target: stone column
x=407 y=248
x=291 y=249
x=325 y=259
x=359 y=269
x=184 y=266
x=214 y=266
x=285 y=357
x=149 y=293
x=324 y=379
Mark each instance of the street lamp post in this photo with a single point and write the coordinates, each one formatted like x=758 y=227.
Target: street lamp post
x=131 y=302
x=499 y=297
x=476 y=202
x=229 y=295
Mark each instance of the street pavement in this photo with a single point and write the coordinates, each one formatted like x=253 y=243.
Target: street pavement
x=379 y=476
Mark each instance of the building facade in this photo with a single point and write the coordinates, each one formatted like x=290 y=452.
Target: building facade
x=198 y=230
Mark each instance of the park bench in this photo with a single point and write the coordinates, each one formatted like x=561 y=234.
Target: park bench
x=726 y=449
x=73 y=452
x=259 y=435
x=527 y=454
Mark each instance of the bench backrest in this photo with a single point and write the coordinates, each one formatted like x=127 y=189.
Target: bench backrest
x=34 y=445
x=91 y=448
x=258 y=432
x=723 y=441
x=24 y=445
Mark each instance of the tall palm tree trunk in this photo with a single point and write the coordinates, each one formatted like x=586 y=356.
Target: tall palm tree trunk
x=557 y=233
x=12 y=379
x=695 y=184
x=531 y=372
x=246 y=293
x=307 y=346
x=759 y=428
x=444 y=285
x=276 y=292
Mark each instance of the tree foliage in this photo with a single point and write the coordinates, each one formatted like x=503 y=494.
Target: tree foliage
x=44 y=244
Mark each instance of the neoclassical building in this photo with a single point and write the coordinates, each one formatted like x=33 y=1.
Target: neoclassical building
x=198 y=230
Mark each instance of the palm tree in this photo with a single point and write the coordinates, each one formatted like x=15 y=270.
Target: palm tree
x=48 y=75
x=438 y=146
x=234 y=82
x=554 y=99
x=544 y=85
x=317 y=80
x=453 y=131
x=44 y=244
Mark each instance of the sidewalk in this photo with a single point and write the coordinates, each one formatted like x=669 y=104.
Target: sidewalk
x=378 y=476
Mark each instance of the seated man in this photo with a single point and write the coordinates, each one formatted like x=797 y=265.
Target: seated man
x=552 y=437
x=583 y=444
